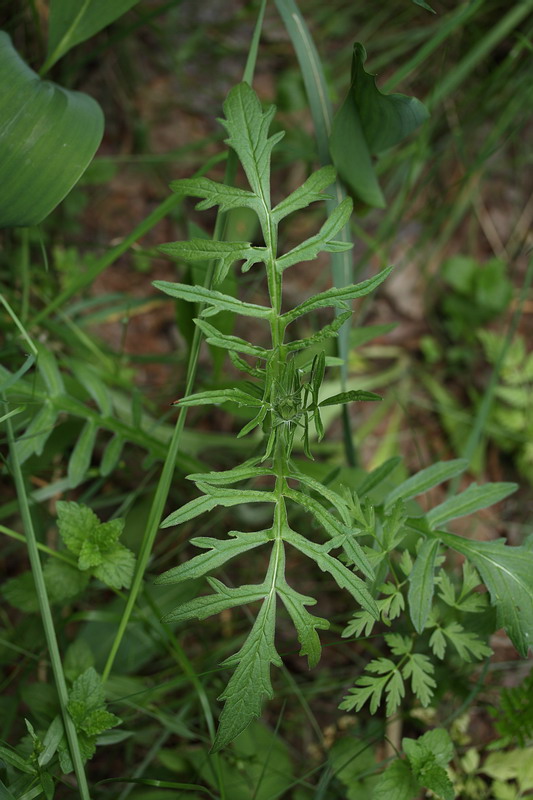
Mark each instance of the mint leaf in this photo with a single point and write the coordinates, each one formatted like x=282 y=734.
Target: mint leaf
x=116 y=568
x=76 y=523
x=98 y=721
x=87 y=693
x=62 y=580
x=397 y=783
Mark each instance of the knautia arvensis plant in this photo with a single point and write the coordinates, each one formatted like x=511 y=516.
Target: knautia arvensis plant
x=285 y=399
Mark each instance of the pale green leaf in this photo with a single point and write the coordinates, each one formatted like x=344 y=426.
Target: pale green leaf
x=224 y=597
x=472 y=499
x=361 y=622
x=49 y=136
x=250 y=683
x=116 y=568
x=309 y=192
x=12 y=757
x=227 y=498
x=86 y=695
x=378 y=476
x=229 y=476
x=215 y=300
x=80 y=459
x=323 y=241
x=216 y=396
x=422 y=583
x=337 y=297
x=96 y=388
x=62 y=580
x=76 y=523
x=111 y=455
x=426 y=479
x=98 y=721
x=220 y=551
x=349 y=397
x=51 y=740
x=73 y=21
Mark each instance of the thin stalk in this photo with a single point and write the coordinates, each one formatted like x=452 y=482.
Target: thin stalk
x=46 y=616
x=163 y=487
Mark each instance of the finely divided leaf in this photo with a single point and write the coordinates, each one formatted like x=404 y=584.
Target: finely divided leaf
x=216 y=301
x=304 y=622
x=308 y=192
x=323 y=241
x=426 y=479
x=420 y=670
x=422 y=584
x=506 y=572
x=472 y=499
x=337 y=298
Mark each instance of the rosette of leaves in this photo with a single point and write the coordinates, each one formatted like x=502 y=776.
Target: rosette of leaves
x=285 y=403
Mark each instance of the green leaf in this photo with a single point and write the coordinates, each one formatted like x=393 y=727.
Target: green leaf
x=344 y=577
x=309 y=192
x=49 y=136
x=472 y=499
x=209 y=249
x=220 y=551
x=98 y=721
x=229 y=476
x=423 y=4
x=349 y=397
x=327 y=332
x=468 y=645
x=76 y=523
x=223 y=598
x=87 y=694
x=80 y=459
x=111 y=455
x=506 y=572
x=73 y=21
x=323 y=241
x=420 y=670
x=422 y=584
x=428 y=756
x=371 y=687
x=20 y=592
x=63 y=582
x=378 y=476
x=51 y=740
x=248 y=127
x=426 y=479
x=397 y=783
x=337 y=298
x=214 y=193
x=250 y=683
x=215 y=396
x=215 y=300
x=12 y=757
x=304 y=622
x=234 y=343
x=226 y=498
x=116 y=568
x=367 y=123
x=36 y=434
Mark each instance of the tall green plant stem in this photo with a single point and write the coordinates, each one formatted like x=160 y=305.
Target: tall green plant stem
x=163 y=487
x=46 y=616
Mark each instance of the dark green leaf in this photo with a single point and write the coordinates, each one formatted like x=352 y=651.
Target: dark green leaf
x=472 y=499
x=349 y=397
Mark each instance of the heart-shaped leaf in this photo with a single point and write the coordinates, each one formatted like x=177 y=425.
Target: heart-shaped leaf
x=48 y=137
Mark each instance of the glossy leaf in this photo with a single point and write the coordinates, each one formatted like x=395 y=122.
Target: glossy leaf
x=48 y=137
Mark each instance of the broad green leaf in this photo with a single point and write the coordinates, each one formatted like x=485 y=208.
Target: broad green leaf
x=215 y=300
x=397 y=783
x=223 y=597
x=323 y=241
x=87 y=694
x=304 y=622
x=367 y=123
x=350 y=397
x=98 y=721
x=426 y=479
x=247 y=127
x=226 y=498
x=63 y=581
x=215 y=396
x=116 y=568
x=220 y=551
x=309 y=192
x=428 y=757
x=337 y=298
x=36 y=434
x=327 y=332
x=73 y=21
x=209 y=249
x=235 y=343
x=422 y=584
x=20 y=592
x=214 y=193
x=506 y=572
x=48 y=137
x=344 y=577
x=80 y=459
x=250 y=683
x=472 y=499
x=76 y=523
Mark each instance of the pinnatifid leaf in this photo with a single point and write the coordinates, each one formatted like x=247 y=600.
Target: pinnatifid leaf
x=323 y=241
x=214 y=193
x=235 y=343
x=223 y=597
x=309 y=192
x=306 y=624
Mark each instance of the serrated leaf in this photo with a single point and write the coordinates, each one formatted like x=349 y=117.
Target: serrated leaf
x=116 y=568
x=220 y=551
x=62 y=580
x=216 y=396
x=227 y=477
x=367 y=123
x=337 y=297
x=226 y=253
x=216 y=194
x=467 y=644
x=76 y=523
x=437 y=642
x=304 y=622
x=309 y=192
x=426 y=479
x=216 y=301
x=87 y=694
x=20 y=592
x=224 y=597
x=235 y=343
x=350 y=397
x=422 y=584
x=248 y=127
x=397 y=783
x=98 y=721
x=326 y=332
x=226 y=498
x=361 y=621
x=471 y=500
x=323 y=241
x=420 y=670
x=250 y=683
x=344 y=577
